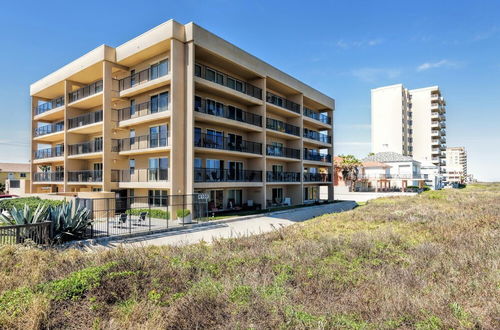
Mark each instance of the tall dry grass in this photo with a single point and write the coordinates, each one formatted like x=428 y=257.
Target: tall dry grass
x=424 y=262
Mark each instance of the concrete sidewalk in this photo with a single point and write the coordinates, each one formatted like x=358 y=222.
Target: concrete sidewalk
x=231 y=228
x=366 y=196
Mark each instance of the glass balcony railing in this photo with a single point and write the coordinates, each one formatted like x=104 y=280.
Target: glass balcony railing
x=317 y=116
x=226 y=175
x=316 y=156
x=140 y=175
x=48 y=176
x=278 y=151
x=282 y=102
x=277 y=125
x=154 y=72
x=85 y=147
x=140 y=143
x=57 y=151
x=86 y=119
x=49 y=129
x=313 y=135
x=85 y=176
x=224 y=111
x=282 y=176
x=86 y=91
x=226 y=143
x=223 y=79
x=49 y=105
x=317 y=177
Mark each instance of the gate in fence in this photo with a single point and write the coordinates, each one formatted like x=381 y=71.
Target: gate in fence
x=128 y=215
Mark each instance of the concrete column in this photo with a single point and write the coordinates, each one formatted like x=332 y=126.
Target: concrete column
x=189 y=53
x=179 y=152
x=67 y=89
x=107 y=129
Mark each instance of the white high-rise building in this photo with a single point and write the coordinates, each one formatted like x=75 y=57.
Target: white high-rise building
x=409 y=122
x=456 y=165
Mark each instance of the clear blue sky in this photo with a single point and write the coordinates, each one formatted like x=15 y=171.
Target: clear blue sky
x=343 y=48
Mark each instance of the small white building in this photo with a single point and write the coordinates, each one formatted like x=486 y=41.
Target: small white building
x=434 y=179
x=386 y=171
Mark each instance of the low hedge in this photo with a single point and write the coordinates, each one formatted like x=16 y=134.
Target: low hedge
x=155 y=213
x=32 y=202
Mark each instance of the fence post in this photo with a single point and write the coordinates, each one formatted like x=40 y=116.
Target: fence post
x=168 y=214
x=183 y=208
x=149 y=214
x=107 y=217
x=130 y=222
x=18 y=235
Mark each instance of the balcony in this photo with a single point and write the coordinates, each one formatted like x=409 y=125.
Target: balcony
x=226 y=175
x=317 y=116
x=144 y=80
x=87 y=149
x=317 y=157
x=140 y=177
x=49 y=129
x=141 y=113
x=279 y=126
x=277 y=151
x=141 y=144
x=317 y=136
x=293 y=177
x=225 y=80
x=282 y=102
x=48 y=177
x=84 y=120
x=49 y=105
x=229 y=112
x=86 y=93
x=84 y=176
x=211 y=141
x=57 y=151
x=317 y=177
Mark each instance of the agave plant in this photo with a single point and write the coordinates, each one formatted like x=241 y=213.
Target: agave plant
x=25 y=216
x=69 y=223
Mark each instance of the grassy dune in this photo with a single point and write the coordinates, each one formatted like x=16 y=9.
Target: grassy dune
x=425 y=262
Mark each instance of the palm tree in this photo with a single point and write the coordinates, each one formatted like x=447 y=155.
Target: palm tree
x=349 y=167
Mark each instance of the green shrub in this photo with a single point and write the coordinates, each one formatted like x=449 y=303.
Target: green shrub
x=155 y=213
x=182 y=213
x=32 y=202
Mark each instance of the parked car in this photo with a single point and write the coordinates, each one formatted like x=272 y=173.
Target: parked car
x=8 y=196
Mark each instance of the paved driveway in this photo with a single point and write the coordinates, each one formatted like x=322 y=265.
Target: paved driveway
x=238 y=228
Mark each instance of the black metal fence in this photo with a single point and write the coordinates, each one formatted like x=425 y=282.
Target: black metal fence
x=38 y=233
x=145 y=214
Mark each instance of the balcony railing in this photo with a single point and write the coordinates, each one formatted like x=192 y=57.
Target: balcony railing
x=139 y=110
x=277 y=151
x=228 y=112
x=223 y=79
x=49 y=129
x=317 y=136
x=277 y=125
x=140 y=175
x=85 y=176
x=48 y=176
x=85 y=147
x=86 y=91
x=140 y=143
x=49 y=152
x=282 y=102
x=318 y=157
x=317 y=177
x=225 y=143
x=151 y=73
x=226 y=175
x=318 y=116
x=282 y=176
x=86 y=119
x=52 y=104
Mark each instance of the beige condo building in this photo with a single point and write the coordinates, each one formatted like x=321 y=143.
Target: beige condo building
x=456 y=165
x=411 y=122
x=178 y=110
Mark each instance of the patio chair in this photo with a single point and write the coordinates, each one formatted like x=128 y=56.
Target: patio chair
x=142 y=217
x=122 y=219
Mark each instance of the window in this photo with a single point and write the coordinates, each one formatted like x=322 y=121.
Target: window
x=131 y=165
x=95 y=189
x=310 y=193
x=235 y=170
x=210 y=74
x=197 y=163
x=158 y=136
x=197 y=137
x=159 y=69
x=277 y=168
x=132 y=78
x=277 y=195
x=23 y=175
x=215 y=139
x=159 y=102
x=197 y=103
x=235 y=142
x=197 y=70
x=219 y=78
x=157 y=197
x=98 y=144
x=211 y=107
x=216 y=200
x=219 y=109
x=132 y=136
x=132 y=107
x=158 y=168
x=234 y=198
